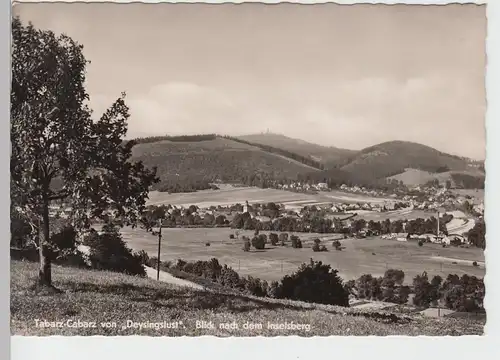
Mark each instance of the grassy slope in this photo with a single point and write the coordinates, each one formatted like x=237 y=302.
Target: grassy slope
x=213 y=159
x=326 y=154
x=103 y=296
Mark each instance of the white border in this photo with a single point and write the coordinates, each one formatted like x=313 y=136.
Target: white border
x=135 y=347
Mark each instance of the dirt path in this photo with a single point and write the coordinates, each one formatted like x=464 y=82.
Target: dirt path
x=169 y=278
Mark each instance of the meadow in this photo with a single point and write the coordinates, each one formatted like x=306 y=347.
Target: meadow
x=360 y=256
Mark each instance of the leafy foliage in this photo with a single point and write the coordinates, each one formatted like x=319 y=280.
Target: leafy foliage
x=259 y=242
x=314 y=282
x=246 y=244
x=477 y=235
x=274 y=239
x=296 y=243
x=109 y=252
x=53 y=137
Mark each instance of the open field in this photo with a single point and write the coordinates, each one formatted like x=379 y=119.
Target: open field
x=477 y=195
x=414 y=177
x=229 y=195
x=274 y=262
x=110 y=300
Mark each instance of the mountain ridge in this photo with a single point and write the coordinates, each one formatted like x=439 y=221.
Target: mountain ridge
x=214 y=157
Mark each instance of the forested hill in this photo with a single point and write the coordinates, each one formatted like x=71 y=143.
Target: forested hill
x=403 y=161
x=191 y=162
x=188 y=163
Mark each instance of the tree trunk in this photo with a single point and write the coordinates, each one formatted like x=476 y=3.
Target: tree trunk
x=45 y=273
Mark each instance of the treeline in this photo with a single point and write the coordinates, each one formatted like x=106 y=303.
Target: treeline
x=313 y=223
x=186 y=186
x=319 y=283
x=291 y=155
x=179 y=138
x=464 y=294
x=467 y=181
x=172 y=217
x=315 y=282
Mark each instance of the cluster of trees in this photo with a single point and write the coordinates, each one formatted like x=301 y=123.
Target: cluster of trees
x=314 y=223
x=318 y=283
x=107 y=250
x=388 y=288
x=467 y=181
x=477 y=235
x=174 y=217
x=259 y=241
x=314 y=282
x=318 y=247
x=427 y=226
x=464 y=293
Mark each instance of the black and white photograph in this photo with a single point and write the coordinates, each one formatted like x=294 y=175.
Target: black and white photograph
x=245 y=170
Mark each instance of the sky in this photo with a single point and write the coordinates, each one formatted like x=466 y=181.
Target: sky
x=337 y=75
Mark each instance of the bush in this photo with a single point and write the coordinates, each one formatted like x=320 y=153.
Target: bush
x=369 y=287
x=246 y=244
x=273 y=238
x=152 y=262
x=475 y=263
x=231 y=236
x=420 y=243
x=337 y=245
x=316 y=283
x=143 y=257
x=463 y=294
x=273 y=290
x=258 y=242
x=264 y=238
x=317 y=247
x=207 y=244
x=397 y=275
x=75 y=259
x=255 y=286
x=296 y=243
x=283 y=238
x=108 y=251
x=423 y=290
x=229 y=278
